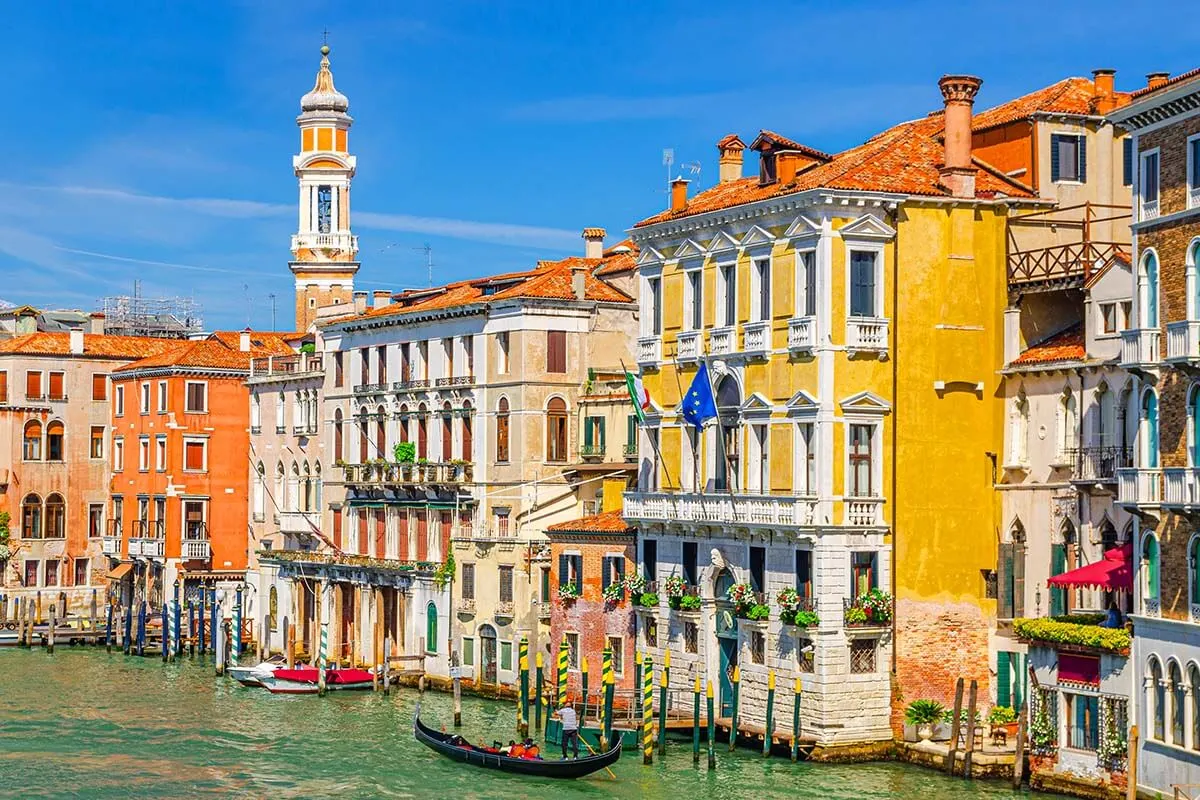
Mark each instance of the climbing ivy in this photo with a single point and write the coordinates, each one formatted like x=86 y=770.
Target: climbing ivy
x=4 y=534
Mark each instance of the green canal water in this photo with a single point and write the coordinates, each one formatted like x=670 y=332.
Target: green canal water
x=83 y=723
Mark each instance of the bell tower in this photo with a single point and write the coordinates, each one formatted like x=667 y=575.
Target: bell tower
x=324 y=251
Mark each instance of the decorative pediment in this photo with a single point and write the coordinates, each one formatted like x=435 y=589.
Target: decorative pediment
x=865 y=403
x=722 y=242
x=756 y=405
x=868 y=228
x=802 y=227
x=757 y=236
x=650 y=255
x=689 y=249
x=802 y=403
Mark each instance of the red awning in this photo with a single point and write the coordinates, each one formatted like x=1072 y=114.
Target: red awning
x=1113 y=572
x=1078 y=670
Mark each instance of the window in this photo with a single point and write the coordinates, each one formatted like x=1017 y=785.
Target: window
x=160 y=453
x=118 y=454
x=1193 y=170
x=1127 y=161
x=804 y=655
x=99 y=387
x=56 y=517
x=119 y=396
x=324 y=209
x=502 y=430
x=1148 y=431
x=691 y=635
x=593 y=436
x=759 y=463
x=95 y=520
x=806 y=459
x=31 y=517
x=381 y=359
x=502 y=515
x=468 y=581
x=652 y=308
x=339 y=377
x=52 y=573
x=1194 y=681
x=54 y=441
x=96 y=449
x=572 y=650
x=3 y=386
x=804 y=573
x=691 y=572
x=570 y=570
x=1112 y=317
x=693 y=301
x=862 y=656
x=144 y=453
x=612 y=571
x=806 y=283
x=57 y=390
x=502 y=353
x=758 y=568
x=616 y=646
x=81 y=571
x=144 y=398
x=1083 y=728
x=556 y=351
x=761 y=307
x=337 y=435
x=556 y=430
x=727 y=285
x=1067 y=424
x=545 y=585
x=431 y=628
x=650 y=559
x=1068 y=158
x=651 y=632
x=861 y=461
x=863 y=573
x=162 y=397
x=468 y=651
x=758 y=647
x=195 y=455
x=863 y=283
x=1178 y=704
x=1148 y=178
x=1148 y=569
x=1157 y=701
x=1010 y=575
x=197 y=398
x=506 y=655
x=31 y=573
x=32 y=447
x=506 y=583
x=33 y=386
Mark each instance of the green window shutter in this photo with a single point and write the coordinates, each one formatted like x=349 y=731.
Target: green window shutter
x=1022 y=679
x=601 y=421
x=604 y=580
x=431 y=627
x=1058 y=565
x=468 y=652
x=1082 y=159
x=1018 y=580
x=1003 y=679
x=1004 y=593
x=1127 y=162
x=579 y=570
x=506 y=655
x=563 y=570
x=587 y=432
x=1055 y=169
x=620 y=565
x=631 y=430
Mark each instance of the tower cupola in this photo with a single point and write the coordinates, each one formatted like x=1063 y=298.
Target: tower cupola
x=324 y=96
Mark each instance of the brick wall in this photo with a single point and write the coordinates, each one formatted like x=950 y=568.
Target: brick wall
x=936 y=644
x=1172 y=161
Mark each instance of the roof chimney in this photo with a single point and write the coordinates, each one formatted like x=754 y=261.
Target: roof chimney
x=96 y=322
x=679 y=194
x=244 y=341
x=360 y=302
x=1156 y=79
x=731 y=150
x=787 y=163
x=593 y=239
x=76 y=340
x=1103 y=98
x=381 y=298
x=958 y=173
x=579 y=281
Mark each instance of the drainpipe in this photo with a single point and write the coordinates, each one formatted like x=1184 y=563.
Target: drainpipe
x=895 y=425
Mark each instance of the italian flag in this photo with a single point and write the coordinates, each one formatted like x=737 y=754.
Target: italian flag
x=638 y=394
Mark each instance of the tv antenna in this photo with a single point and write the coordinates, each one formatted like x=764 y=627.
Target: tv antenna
x=668 y=161
x=428 y=260
x=272 y=296
x=691 y=167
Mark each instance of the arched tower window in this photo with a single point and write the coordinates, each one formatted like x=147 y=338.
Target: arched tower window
x=556 y=430
x=56 y=517
x=31 y=517
x=32 y=449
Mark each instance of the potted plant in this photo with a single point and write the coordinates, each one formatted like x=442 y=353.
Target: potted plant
x=689 y=602
x=924 y=714
x=878 y=606
x=1003 y=718
x=568 y=593
x=636 y=584
x=791 y=611
x=648 y=600
x=742 y=597
x=404 y=452
x=675 y=589
x=759 y=612
x=614 y=593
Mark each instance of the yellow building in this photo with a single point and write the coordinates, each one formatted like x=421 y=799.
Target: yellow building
x=848 y=308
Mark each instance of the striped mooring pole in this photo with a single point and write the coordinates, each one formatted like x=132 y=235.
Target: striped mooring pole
x=178 y=624
x=583 y=668
x=560 y=678
x=733 y=721
x=523 y=698
x=321 y=654
x=796 y=719
x=237 y=626
x=662 y=703
x=213 y=612
x=712 y=728
x=166 y=632
x=537 y=693
x=605 y=711
x=696 y=721
x=769 y=730
x=647 y=709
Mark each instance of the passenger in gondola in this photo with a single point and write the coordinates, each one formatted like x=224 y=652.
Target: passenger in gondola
x=516 y=751
x=532 y=751
x=507 y=749
x=459 y=741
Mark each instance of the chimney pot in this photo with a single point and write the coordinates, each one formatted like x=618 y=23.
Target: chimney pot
x=381 y=298
x=1156 y=79
x=579 y=282
x=360 y=302
x=679 y=194
x=1103 y=96
x=244 y=341
x=731 y=151
x=958 y=173
x=593 y=239
x=75 y=339
x=96 y=322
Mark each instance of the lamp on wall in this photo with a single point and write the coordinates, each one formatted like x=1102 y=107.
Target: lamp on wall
x=1037 y=602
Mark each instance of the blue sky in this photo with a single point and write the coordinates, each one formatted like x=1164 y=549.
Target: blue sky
x=153 y=141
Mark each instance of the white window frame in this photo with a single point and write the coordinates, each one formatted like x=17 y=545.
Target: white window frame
x=876 y=424
x=758 y=455
x=1082 y=150
x=724 y=287
x=572 y=666
x=652 y=311
x=1193 y=601
x=160 y=453
x=693 y=296
x=1102 y=331
x=143 y=454
x=255 y=411
x=119 y=401
x=802 y=298
x=503 y=342
x=800 y=477
x=1193 y=198
x=144 y=397
x=756 y=286
x=162 y=397
x=118 y=453
x=1155 y=205
x=859 y=246
x=186 y=386
x=203 y=440
x=690 y=466
x=620 y=640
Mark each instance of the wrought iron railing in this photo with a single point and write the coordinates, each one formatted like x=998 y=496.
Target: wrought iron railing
x=1100 y=463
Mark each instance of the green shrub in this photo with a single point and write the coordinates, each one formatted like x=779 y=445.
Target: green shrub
x=1002 y=715
x=924 y=712
x=1113 y=640
x=648 y=600
x=689 y=603
x=758 y=612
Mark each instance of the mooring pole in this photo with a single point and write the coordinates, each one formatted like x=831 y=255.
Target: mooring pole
x=537 y=696
x=53 y=625
x=696 y=721
x=166 y=633
x=141 y=634
x=647 y=709
x=955 y=726
x=662 y=704
x=733 y=719
x=108 y=629
x=968 y=757
x=796 y=719
x=523 y=693
x=769 y=730
x=712 y=728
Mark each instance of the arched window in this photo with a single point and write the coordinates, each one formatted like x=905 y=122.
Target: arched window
x=1149 y=574
x=1156 y=700
x=56 y=517
x=431 y=628
x=1108 y=536
x=722 y=584
x=1194 y=574
x=317 y=486
x=502 y=430
x=260 y=491
x=422 y=432
x=280 y=487
x=364 y=436
x=293 y=490
x=1058 y=565
x=556 y=430
x=1193 y=281
x=1148 y=291
x=381 y=432
x=1067 y=410
x=1018 y=441
x=338 y=453
x=1193 y=426
x=404 y=422
x=1177 y=704
x=1010 y=573
x=447 y=432
x=281 y=413
x=33 y=441
x=1194 y=681
x=55 y=437
x=467 y=444
x=307 y=482
x=728 y=458
x=31 y=517
x=1149 y=431
x=1104 y=421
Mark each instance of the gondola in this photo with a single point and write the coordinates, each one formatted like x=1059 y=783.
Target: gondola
x=576 y=768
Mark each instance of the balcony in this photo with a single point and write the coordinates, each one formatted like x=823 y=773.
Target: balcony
x=196 y=550
x=873 y=610
x=1183 y=343
x=466 y=606
x=1074 y=633
x=1139 y=487
x=863 y=512
x=505 y=609
x=591 y=451
x=325 y=241
x=458 y=380
x=802 y=334
x=1055 y=248
x=649 y=350
x=544 y=610
x=1181 y=488
x=741 y=509
x=298 y=523
x=147 y=548
x=408 y=474
x=371 y=388
x=289 y=366
x=756 y=338
x=687 y=346
x=629 y=451
x=866 y=335
x=410 y=385
x=722 y=341
x=1099 y=464
x=1140 y=348
x=111 y=546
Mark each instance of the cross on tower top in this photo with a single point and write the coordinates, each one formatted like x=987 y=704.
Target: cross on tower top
x=325 y=36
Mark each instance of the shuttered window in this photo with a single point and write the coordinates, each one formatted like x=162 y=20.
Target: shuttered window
x=570 y=570
x=1058 y=565
x=1127 y=162
x=337 y=528
x=506 y=584
x=194 y=455
x=3 y=387
x=1004 y=583
x=57 y=391
x=556 y=351
x=468 y=581
x=502 y=430
x=99 y=387
x=1003 y=680
x=862 y=284
x=33 y=386
x=1068 y=158
x=196 y=398
x=614 y=571
x=556 y=430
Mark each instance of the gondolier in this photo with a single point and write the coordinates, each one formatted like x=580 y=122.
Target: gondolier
x=570 y=728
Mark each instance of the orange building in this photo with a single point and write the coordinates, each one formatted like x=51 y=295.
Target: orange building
x=180 y=450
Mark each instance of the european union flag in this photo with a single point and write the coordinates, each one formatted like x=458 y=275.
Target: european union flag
x=699 y=404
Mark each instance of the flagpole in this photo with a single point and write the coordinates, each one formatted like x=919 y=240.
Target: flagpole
x=720 y=431
x=653 y=440
x=696 y=449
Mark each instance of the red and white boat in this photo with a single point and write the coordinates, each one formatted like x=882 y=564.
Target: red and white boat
x=303 y=680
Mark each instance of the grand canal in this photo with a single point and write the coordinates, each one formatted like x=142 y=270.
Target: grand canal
x=83 y=723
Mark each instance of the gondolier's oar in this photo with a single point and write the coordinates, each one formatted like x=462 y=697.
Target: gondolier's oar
x=611 y=774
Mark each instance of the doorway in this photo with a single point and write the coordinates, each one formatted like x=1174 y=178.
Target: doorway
x=726 y=629
x=487 y=653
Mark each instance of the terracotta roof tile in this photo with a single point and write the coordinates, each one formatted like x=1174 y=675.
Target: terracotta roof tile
x=771 y=137
x=1180 y=78
x=1068 y=96
x=731 y=139
x=607 y=522
x=1068 y=345
x=56 y=343
x=219 y=351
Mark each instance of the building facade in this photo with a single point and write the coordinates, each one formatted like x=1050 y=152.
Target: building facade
x=1163 y=350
